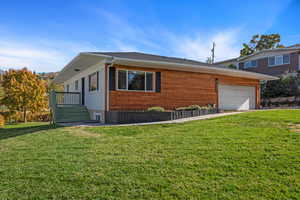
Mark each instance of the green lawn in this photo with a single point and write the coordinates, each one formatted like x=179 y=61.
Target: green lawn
x=247 y=156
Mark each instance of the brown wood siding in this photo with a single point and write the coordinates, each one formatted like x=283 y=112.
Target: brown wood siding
x=178 y=89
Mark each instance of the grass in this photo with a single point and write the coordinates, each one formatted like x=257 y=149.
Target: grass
x=246 y=156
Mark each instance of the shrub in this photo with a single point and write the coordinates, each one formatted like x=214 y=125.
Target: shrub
x=43 y=116
x=2 y=121
x=193 y=107
x=156 y=109
x=181 y=108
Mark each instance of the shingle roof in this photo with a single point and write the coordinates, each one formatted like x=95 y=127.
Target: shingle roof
x=295 y=45
x=288 y=48
x=151 y=57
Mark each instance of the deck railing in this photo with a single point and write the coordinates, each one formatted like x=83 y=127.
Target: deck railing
x=64 y=98
x=68 y=98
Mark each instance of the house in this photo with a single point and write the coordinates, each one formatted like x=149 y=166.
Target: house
x=275 y=62
x=109 y=81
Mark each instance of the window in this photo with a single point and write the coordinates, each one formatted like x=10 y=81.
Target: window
x=93 y=81
x=97 y=116
x=251 y=63
x=286 y=59
x=271 y=61
x=279 y=60
x=135 y=80
x=122 y=79
x=149 y=79
x=68 y=88
x=76 y=85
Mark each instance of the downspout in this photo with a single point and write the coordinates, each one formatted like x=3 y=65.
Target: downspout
x=217 y=93
x=107 y=87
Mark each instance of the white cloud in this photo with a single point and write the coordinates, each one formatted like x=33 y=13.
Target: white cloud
x=120 y=46
x=51 y=55
x=199 y=47
x=42 y=55
x=123 y=32
x=128 y=37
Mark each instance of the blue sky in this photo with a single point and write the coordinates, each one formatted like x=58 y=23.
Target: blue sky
x=45 y=35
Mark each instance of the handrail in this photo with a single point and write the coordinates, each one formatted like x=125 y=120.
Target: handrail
x=67 y=92
x=63 y=99
x=68 y=98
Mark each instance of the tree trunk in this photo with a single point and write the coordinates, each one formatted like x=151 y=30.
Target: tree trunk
x=24 y=116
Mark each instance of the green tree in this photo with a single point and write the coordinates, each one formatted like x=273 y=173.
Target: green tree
x=232 y=66
x=261 y=42
x=23 y=92
x=284 y=87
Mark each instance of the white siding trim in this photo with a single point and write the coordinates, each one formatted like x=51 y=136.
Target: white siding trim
x=94 y=100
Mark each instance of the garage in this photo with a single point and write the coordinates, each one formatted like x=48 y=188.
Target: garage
x=233 y=97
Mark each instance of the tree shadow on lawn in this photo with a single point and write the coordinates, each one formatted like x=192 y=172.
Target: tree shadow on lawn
x=6 y=133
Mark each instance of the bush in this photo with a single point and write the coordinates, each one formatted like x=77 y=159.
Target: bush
x=2 y=121
x=13 y=117
x=194 y=107
x=156 y=109
x=181 y=108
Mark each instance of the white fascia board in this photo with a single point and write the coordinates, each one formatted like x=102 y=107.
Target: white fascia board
x=61 y=77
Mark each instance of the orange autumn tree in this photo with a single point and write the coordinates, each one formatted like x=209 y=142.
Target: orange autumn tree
x=24 y=92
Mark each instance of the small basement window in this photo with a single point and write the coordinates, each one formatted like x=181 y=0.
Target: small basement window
x=97 y=116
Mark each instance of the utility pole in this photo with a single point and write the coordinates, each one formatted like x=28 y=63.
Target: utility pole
x=213 y=53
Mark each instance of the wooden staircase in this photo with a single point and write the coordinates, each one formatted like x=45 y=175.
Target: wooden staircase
x=75 y=113
x=66 y=107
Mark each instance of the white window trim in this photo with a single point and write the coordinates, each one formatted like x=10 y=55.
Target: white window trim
x=275 y=64
x=145 y=90
x=88 y=85
x=76 y=89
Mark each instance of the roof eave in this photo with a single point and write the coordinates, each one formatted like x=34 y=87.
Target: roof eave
x=194 y=68
x=268 y=50
x=210 y=69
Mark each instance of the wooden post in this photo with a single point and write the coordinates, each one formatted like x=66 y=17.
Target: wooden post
x=52 y=105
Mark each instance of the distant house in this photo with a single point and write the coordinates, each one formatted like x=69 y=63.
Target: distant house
x=112 y=81
x=275 y=62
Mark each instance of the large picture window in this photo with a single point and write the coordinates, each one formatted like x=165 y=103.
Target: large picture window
x=93 y=82
x=135 y=80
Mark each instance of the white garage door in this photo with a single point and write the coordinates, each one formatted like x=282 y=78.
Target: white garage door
x=236 y=97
